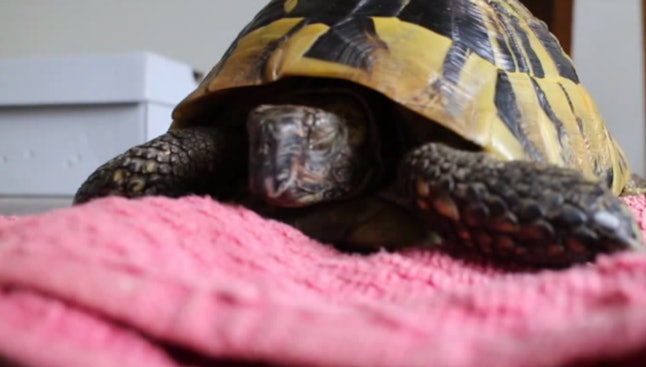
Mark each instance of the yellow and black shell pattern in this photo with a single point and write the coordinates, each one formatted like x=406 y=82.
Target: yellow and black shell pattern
x=486 y=69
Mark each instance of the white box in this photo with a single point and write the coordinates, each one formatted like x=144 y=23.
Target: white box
x=60 y=118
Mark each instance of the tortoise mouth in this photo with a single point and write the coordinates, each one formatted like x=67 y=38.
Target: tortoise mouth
x=301 y=155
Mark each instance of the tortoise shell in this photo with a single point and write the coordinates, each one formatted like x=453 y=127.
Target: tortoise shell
x=486 y=69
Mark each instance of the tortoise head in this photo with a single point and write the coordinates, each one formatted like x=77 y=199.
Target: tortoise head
x=302 y=155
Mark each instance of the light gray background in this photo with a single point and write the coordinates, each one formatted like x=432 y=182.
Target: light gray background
x=607 y=42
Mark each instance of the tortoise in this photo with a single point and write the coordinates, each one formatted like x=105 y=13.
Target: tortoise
x=374 y=124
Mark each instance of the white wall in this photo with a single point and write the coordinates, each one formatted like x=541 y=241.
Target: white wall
x=194 y=31
x=607 y=42
x=608 y=52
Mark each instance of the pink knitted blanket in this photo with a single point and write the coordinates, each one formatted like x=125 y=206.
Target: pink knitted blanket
x=162 y=282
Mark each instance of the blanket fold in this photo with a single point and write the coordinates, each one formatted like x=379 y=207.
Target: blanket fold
x=173 y=282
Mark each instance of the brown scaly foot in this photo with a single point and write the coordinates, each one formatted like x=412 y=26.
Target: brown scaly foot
x=199 y=160
x=522 y=211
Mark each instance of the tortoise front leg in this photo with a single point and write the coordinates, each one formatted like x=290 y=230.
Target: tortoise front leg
x=198 y=160
x=523 y=211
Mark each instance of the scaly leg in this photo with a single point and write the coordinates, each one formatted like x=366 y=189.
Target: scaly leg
x=523 y=211
x=199 y=160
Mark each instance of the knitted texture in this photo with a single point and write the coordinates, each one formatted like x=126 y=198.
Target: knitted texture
x=175 y=282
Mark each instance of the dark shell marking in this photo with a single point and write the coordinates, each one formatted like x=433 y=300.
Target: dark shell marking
x=488 y=57
x=466 y=22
